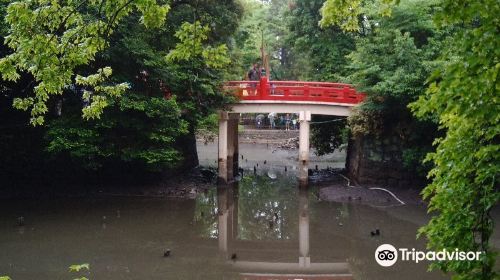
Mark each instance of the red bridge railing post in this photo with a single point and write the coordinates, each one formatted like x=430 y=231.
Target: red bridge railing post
x=264 y=87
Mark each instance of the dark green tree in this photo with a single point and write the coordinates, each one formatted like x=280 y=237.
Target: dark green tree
x=391 y=64
x=172 y=74
x=175 y=78
x=463 y=99
x=315 y=53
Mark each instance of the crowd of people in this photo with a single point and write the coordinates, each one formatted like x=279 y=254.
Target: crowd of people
x=277 y=121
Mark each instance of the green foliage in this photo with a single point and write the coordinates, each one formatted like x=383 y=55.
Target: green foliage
x=153 y=104
x=208 y=127
x=388 y=64
x=3 y=12
x=329 y=133
x=346 y=14
x=98 y=102
x=145 y=136
x=391 y=63
x=262 y=24
x=5 y=278
x=211 y=123
x=50 y=40
x=342 y=13
x=463 y=97
x=315 y=54
x=192 y=37
x=297 y=47
x=413 y=159
x=78 y=268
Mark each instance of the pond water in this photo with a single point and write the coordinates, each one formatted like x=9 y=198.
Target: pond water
x=257 y=228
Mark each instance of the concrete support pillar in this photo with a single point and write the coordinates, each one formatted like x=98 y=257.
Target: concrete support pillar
x=304 y=119
x=236 y=146
x=228 y=146
x=223 y=137
x=304 y=257
x=230 y=149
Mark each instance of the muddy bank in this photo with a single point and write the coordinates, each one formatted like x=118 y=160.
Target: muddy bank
x=273 y=156
x=185 y=185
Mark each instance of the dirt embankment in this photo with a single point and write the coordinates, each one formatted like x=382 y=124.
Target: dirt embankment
x=255 y=136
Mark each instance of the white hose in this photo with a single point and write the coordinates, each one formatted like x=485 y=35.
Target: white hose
x=382 y=189
x=348 y=181
x=393 y=195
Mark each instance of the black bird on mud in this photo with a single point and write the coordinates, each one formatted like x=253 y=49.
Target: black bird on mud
x=376 y=232
x=234 y=257
x=166 y=253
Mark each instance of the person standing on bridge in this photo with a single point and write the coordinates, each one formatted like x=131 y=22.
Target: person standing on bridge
x=253 y=74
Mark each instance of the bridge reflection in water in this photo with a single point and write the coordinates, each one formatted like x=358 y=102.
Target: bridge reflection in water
x=246 y=258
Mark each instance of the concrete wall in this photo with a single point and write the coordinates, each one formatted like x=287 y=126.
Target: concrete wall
x=372 y=161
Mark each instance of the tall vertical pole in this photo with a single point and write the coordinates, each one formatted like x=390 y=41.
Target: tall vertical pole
x=230 y=148
x=223 y=140
x=236 y=150
x=262 y=48
x=304 y=118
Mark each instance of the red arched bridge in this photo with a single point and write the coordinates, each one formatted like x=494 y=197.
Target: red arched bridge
x=264 y=90
x=302 y=98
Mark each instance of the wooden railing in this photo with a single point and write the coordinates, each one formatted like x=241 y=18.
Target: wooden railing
x=294 y=91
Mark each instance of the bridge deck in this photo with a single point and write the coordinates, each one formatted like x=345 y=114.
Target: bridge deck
x=277 y=106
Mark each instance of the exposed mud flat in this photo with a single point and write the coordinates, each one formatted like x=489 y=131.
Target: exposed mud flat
x=273 y=156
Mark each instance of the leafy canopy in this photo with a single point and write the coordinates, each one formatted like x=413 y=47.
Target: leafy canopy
x=463 y=96
x=192 y=37
x=51 y=39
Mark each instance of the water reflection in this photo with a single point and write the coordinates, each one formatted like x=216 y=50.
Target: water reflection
x=240 y=250
x=258 y=229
